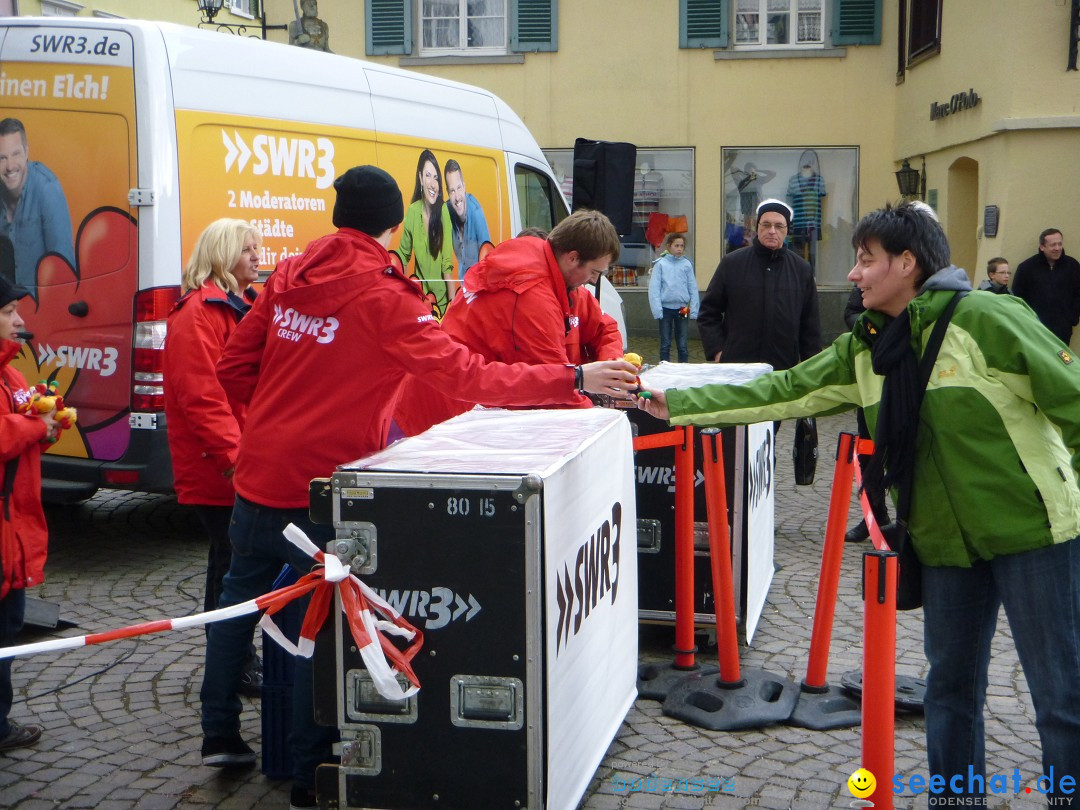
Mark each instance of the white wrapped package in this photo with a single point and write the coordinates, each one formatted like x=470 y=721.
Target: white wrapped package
x=494 y=441
x=692 y=375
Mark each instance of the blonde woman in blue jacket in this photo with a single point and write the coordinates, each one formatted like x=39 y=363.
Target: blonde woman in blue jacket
x=673 y=295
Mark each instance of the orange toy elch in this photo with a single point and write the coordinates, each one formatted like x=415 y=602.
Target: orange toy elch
x=635 y=359
x=44 y=399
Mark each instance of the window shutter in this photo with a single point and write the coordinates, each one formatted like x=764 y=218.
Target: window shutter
x=703 y=23
x=856 y=22
x=534 y=25
x=389 y=27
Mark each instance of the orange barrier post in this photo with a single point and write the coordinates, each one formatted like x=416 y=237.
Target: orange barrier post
x=735 y=697
x=879 y=672
x=727 y=643
x=831 y=558
x=820 y=705
x=684 y=551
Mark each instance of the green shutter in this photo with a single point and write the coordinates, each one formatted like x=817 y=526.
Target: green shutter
x=534 y=25
x=703 y=23
x=856 y=22
x=389 y=27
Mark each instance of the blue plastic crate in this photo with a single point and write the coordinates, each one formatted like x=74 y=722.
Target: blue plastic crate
x=278 y=685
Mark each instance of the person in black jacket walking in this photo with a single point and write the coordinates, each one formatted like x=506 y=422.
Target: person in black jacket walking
x=761 y=305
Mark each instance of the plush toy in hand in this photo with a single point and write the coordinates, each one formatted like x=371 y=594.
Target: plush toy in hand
x=635 y=359
x=684 y=312
x=44 y=399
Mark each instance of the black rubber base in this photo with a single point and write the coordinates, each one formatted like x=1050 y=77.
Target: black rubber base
x=821 y=710
x=760 y=699
x=910 y=692
x=655 y=681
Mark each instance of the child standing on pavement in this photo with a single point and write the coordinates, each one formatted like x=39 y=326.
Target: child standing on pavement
x=673 y=296
x=24 y=537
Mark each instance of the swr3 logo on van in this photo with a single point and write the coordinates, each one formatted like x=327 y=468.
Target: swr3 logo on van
x=102 y=361
x=294 y=325
x=282 y=156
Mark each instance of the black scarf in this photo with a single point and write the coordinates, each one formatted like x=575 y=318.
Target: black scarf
x=894 y=358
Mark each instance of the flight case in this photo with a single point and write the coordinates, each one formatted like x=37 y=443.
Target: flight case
x=654 y=472
x=507 y=538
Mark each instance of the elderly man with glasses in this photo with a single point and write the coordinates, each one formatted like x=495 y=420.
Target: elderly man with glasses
x=761 y=305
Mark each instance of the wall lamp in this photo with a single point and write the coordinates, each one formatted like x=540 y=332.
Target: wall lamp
x=911 y=182
x=211 y=8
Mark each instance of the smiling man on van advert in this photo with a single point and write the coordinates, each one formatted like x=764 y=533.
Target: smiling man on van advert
x=34 y=214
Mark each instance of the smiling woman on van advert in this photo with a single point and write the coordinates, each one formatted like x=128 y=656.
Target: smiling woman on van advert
x=426 y=231
x=204 y=426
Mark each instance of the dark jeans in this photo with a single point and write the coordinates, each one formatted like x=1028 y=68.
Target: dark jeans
x=12 y=608
x=673 y=322
x=216 y=520
x=259 y=550
x=1040 y=591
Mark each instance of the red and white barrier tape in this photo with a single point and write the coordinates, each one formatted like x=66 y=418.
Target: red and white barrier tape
x=370 y=619
x=876 y=537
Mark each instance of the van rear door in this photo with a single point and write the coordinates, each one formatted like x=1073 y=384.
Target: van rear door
x=71 y=89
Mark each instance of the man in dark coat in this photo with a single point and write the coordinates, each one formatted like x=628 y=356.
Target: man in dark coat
x=1050 y=282
x=761 y=305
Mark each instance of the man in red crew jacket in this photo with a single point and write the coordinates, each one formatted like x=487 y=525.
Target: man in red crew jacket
x=319 y=361
x=525 y=303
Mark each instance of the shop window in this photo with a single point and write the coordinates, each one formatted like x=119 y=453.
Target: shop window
x=821 y=184
x=663 y=200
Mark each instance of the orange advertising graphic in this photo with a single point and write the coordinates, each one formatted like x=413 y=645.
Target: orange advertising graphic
x=279 y=176
x=68 y=131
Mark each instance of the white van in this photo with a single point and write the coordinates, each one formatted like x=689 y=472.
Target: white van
x=150 y=131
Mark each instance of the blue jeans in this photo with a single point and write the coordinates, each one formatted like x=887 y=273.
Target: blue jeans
x=12 y=609
x=259 y=550
x=673 y=321
x=1040 y=591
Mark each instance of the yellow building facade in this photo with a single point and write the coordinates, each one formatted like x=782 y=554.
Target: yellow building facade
x=713 y=91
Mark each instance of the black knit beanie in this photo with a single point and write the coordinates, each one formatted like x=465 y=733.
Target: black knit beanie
x=368 y=200
x=777 y=207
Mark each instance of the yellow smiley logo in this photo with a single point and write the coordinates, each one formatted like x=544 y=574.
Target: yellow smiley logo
x=861 y=783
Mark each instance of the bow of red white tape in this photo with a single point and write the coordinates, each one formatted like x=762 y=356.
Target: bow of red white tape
x=370 y=619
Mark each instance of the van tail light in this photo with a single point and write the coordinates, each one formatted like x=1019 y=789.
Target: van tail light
x=152 y=307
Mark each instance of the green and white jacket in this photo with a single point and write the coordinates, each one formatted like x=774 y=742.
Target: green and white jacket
x=998 y=445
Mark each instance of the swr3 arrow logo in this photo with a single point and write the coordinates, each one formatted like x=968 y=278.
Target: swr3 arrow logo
x=439 y=606
x=239 y=149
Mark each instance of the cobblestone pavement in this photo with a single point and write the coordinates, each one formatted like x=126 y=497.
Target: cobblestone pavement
x=122 y=726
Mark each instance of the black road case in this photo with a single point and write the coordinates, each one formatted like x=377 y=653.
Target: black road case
x=507 y=538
